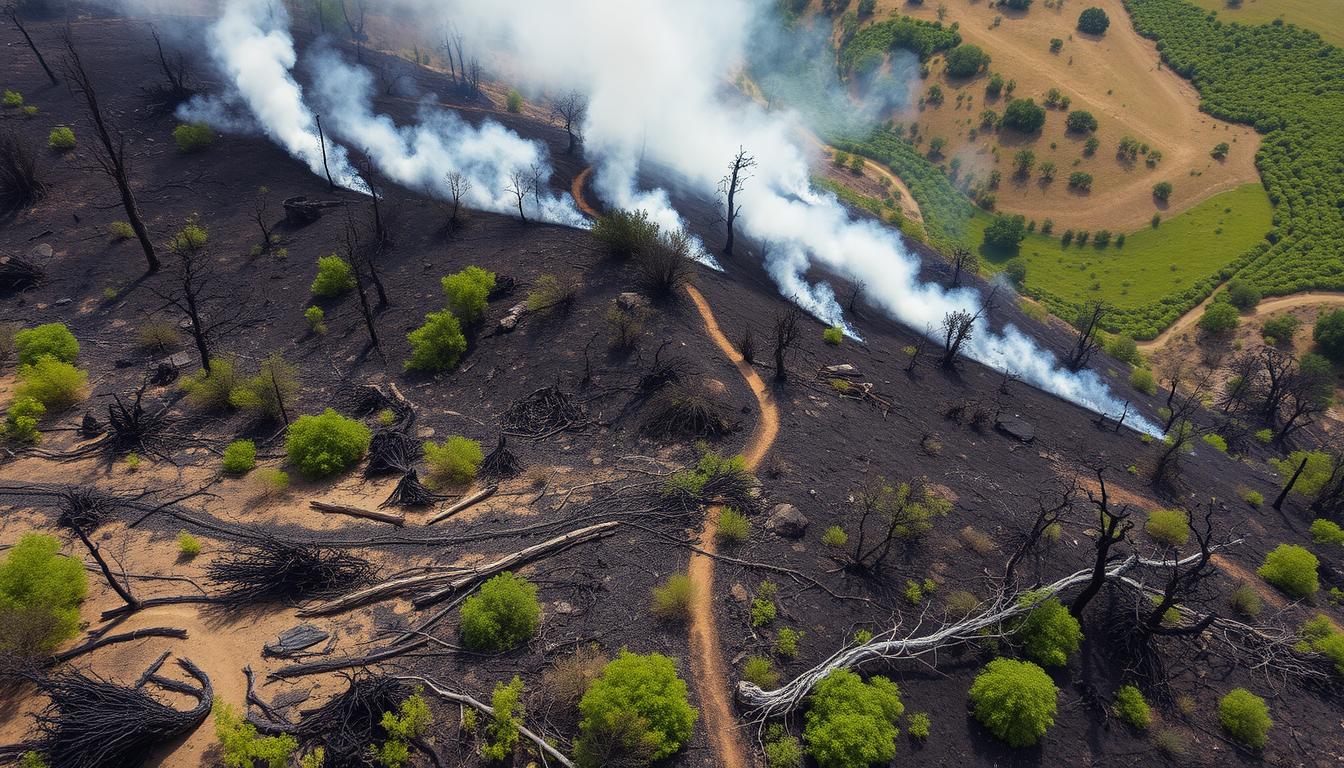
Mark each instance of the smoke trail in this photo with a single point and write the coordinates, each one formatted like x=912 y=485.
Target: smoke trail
x=658 y=76
x=251 y=45
x=491 y=158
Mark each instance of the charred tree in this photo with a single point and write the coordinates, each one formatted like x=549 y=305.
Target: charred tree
x=520 y=185
x=352 y=247
x=729 y=187
x=261 y=215
x=1113 y=526
x=21 y=183
x=322 y=141
x=1048 y=514
x=11 y=10
x=902 y=513
x=191 y=291
x=958 y=326
x=1183 y=582
x=785 y=332
x=110 y=152
x=459 y=186
x=1089 y=322
x=963 y=261
x=570 y=108
x=1308 y=390
x=177 y=72
x=353 y=11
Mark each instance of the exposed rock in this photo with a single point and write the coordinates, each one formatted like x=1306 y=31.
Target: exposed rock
x=40 y=251
x=90 y=427
x=510 y=321
x=563 y=607
x=739 y=593
x=844 y=369
x=1018 y=428
x=631 y=301
x=63 y=301
x=295 y=640
x=785 y=520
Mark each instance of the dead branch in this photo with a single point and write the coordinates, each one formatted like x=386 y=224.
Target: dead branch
x=343 y=509
x=125 y=637
x=464 y=699
x=462 y=504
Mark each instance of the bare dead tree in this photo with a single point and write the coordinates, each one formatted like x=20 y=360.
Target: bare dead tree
x=458 y=188
x=520 y=186
x=261 y=215
x=1089 y=323
x=729 y=187
x=963 y=260
x=958 y=326
x=12 y=11
x=915 y=352
x=746 y=346
x=354 y=21
x=1241 y=372
x=208 y=310
x=447 y=46
x=1051 y=510
x=1308 y=390
x=1183 y=582
x=785 y=332
x=177 y=70
x=1276 y=370
x=570 y=108
x=1169 y=462
x=1183 y=402
x=1113 y=527
x=856 y=289
x=322 y=141
x=110 y=153
x=352 y=250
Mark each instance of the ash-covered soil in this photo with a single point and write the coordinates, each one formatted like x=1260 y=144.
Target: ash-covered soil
x=829 y=447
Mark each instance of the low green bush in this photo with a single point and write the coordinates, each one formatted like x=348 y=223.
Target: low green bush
x=1124 y=349
x=316 y=319
x=21 y=420
x=635 y=714
x=120 y=230
x=1327 y=532
x=1292 y=569
x=1219 y=318
x=502 y=615
x=1245 y=717
x=1015 y=700
x=833 y=335
x=1168 y=526
x=626 y=233
x=1245 y=601
x=11 y=99
x=61 y=139
x=552 y=293
x=334 y=277
x=672 y=599
x=241 y=746
x=467 y=293
x=437 y=345
x=786 y=643
x=760 y=671
x=1049 y=633
x=1131 y=707
x=56 y=385
x=514 y=102
x=412 y=721
x=325 y=444
x=193 y=137
x=157 y=335
x=502 y=731
x=211 y=390
x=1321 y=636
x=734 y=527
x=835 y=537
x=1280 y=329
x=52 y=340
x=1215 y=441
x=782 y=749
x=40 y=593
x=851 y=723
x=920 y=726
x=1254 y=498
x=187 y=545
x=268 y=394
x=1142 y=380
x=453 y=462
x=240 y=457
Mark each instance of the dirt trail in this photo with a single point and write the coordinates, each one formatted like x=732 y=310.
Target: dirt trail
x=707 y=663
x=1268 y=306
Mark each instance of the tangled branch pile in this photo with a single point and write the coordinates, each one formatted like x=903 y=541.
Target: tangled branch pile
x=346 y=726
x=680 y=412
x=273 y=570
x=132 y=428
x=20 y=181
x=17 y=274
x=500 y=464
x=92 y=723
x=542 y=413
x=392 y=451
x=84 y=507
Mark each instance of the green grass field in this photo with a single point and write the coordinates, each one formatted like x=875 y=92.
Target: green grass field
x=1153 y=266
x=1324 y=17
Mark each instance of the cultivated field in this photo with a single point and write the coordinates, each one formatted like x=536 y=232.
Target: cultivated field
x=1324 y=17
x=1117 y=77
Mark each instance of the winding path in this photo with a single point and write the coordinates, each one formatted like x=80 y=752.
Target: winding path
x=706 y=652
x=1268 y=306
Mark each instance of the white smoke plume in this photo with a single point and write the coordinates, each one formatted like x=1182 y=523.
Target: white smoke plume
x=251 y=44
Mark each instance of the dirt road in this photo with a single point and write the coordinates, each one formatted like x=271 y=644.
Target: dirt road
x=1189 y=320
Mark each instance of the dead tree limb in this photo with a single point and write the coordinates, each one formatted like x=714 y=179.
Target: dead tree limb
x=125 y=637
x=371 y=514
x=470 y=501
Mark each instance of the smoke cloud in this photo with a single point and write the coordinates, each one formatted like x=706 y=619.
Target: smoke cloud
x=660 y=78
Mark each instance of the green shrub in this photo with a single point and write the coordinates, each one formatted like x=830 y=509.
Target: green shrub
x=316 y=319
x=1142 y=380
x=1254 y=498
x=734 y=527
x=1023 y=115
x=52 y=340
x=850 y=723
x=187 y=545
x=1219 y=318
x=1124 y=349
x=833 y=335
x=920 y=726
x=763 y=612
x=40 y=593
x=61 y=139
x=120 y=230
x=502 y=731
x=410 y=722
x=503 y=614
x=1093 y=21
x=1015 y=700
x=1245 y=717
x=515 y=102
x=193 y=137
x=1131 y=707
x=268 y=394
x=241 y=746
x=966 y=60
x=1281 y=329
x=1168 y=526
x=157 y=335
x=1326 y=532
x=1292 y=569
x=835 y=536
x=54 y=384
x=1216 y=442
x=759 y=671
x=1245 y=601
x=1049 y=633
x=1242 y=295
x=782 y=749
x=334 y=277
x=467 y=292
x=637 y=711
x=21 y=420
x=211 y=390
x=1320 y=635
x=551 y=292
x=240 y=457
x=786 y=643
x=1315 y=474
x=1329 y=335
x=626 y=233
x=454 y=461
x=672 y=599
x=325 y=444
x=437 y=345
x=1171 y=743
x=271 y=481
x=1264 y=435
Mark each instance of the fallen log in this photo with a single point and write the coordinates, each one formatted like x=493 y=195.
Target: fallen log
x=446 y=580
x=371 y=514
x=461 y=504
x=346 y=662
x=125 y=637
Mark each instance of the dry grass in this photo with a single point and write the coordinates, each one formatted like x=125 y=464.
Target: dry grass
x=1118 y=78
